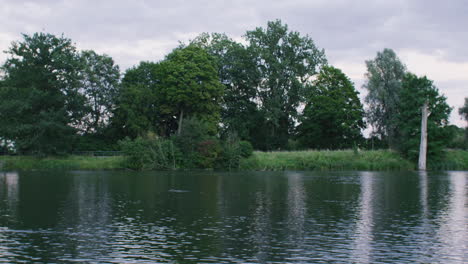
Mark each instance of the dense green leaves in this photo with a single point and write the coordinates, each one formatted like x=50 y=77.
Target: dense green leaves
x=414 y=93
x=384 y=77
x=239 y=74
x=333 y=114
x=463 y=111
x=100 y=82
x=137 y=108
x=286 y=62
x=190 y=86
x=40 y=103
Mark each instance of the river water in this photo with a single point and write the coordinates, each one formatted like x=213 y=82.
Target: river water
x=254 y=217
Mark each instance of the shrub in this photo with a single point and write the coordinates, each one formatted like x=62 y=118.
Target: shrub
x=245 y=148
x=149 y=153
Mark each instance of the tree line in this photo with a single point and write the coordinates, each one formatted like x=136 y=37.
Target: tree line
x=276 y=91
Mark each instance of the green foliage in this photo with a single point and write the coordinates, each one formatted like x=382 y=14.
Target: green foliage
x=326 y=160
x=458 y=137
x=62 y=163
x=199 y=149
x=414 y=93
x=246 y=149
x=100 y=82
x=137 y=109
x=463 y=111
x=40 y=103
x=384 y=79
x=239 y=74
x=285 y=61
x=333 y=115
x=149 y=153
x=190 y=86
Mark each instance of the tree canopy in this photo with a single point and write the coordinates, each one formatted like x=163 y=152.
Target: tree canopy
x=40 y=103
x=463 y=111
x=384 y=79
x=415 y=92
x=333 y=115
x=286 y=62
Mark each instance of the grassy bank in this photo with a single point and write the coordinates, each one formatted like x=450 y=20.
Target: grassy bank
x=264 y=161
x=454 y=160
x=61 y=163
x=326 y=160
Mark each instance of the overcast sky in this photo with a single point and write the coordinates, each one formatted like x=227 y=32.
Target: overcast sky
x=430 y=37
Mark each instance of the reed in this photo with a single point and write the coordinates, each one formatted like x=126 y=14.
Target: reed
x=327 y=160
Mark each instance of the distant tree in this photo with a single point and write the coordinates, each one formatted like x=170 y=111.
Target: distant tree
x=40 y=103
x=463 y=111
x=333 y=115
x=414 y=93
x=190 y=86
x=99 y=85
x=384 y=79
x=286 y=61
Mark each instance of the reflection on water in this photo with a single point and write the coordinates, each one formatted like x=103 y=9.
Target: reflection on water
x=453 y=220
x=363 y=231
x=199 y=217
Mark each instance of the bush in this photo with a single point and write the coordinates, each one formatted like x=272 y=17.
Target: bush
x=246 y=149
x=198 y=148
x=149 y=153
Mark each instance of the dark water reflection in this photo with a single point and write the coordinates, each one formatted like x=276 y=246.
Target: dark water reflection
x=210 y=217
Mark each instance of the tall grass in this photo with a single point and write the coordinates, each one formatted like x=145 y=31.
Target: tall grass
x=453 y=160
x=265 y=161
x=61 y=163
x=326 y=160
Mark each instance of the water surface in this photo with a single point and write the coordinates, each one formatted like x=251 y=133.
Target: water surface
x=211 y=217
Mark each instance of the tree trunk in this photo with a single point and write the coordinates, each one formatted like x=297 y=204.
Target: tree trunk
x=179 y=129
x=423 y=144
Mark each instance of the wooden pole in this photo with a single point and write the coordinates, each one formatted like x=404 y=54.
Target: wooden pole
x=423 y=144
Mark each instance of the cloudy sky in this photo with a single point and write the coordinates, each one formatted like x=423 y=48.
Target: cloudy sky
x=430 y=37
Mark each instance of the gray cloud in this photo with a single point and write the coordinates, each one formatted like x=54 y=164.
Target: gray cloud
x=349 y=31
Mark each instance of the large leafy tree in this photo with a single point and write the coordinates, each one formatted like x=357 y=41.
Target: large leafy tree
x=40 y=102
x=384 y=80
x=333 y=115
x=414 y=93
x=286 y=61
x=137 y=108
x=239 y=75
x=99 y=85
x=190 y=86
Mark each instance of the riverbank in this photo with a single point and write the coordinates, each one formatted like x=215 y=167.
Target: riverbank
x=377 y=160
x=326 y=160
x=62 y=163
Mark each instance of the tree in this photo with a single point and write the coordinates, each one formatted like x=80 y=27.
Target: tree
x=99 y=85
x=40 y=103
x=286 y=62
x=239 y=75
x=138 y=101
x=415 y=92
x=190 y=86
x=384 y=79
x=463 y=111
x=333 y=115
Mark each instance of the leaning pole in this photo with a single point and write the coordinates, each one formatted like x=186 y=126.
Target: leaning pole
x=423 y=144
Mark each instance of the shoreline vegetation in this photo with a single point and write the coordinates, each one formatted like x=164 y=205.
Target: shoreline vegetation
x=337 y=160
